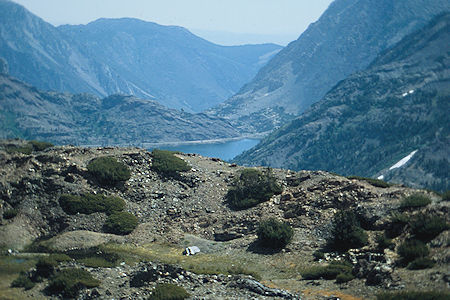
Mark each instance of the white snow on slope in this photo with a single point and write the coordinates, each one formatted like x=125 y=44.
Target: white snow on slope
x=403 y=161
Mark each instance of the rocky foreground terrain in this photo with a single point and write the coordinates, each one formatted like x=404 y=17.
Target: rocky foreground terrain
x=190 y=209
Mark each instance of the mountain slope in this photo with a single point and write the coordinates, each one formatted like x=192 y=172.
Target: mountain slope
x=346 y=38
x=374 y=118
x=126 y=56
x=86 y=119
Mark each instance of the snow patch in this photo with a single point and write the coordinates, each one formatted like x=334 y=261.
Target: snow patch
x=381 y=177
x=403 y=161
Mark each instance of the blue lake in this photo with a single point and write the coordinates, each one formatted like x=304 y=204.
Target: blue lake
x=225 y=151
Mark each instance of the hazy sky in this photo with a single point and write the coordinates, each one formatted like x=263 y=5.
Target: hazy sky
x=226 y=21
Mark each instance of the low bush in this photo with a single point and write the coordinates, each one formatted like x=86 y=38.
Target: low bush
x=10 y=213
x=121 y=223
x=446 y=196
x=46 y=266
x=426 y=227
x=90 y=203
x=397 y=224
x=412 y=249
x=421 y=263
x=108 y=171
x=344 y=277
x=328 y=272
x=372 y=181
x=167 y=291
x=39 y=145
x=68 y=282
x=166 y=163
x=274 y=234
x=95 y=257
x=413 y=295
x=346 y=232
x=23 y=281
x=384 y=242
x=415 y=201
x=252 y=187
x=318 y=255
x=60 y=257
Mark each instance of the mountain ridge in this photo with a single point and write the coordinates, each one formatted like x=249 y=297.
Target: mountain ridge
x=372 y=119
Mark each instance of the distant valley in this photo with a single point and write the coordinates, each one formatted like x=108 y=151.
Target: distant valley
x=129 y=56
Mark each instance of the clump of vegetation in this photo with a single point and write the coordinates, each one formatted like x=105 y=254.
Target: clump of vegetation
x=46 y=266
x=252 y=187
x=108 y=171
x=372 y=181
x=397 y=223
x=274 y=234
x=426 y=227
x=383 y=242
x=167 y=291
x=413 y=295
x=29 y=147
x=411 y=250
x=329 y=272
x=121 y=223
x=90 y=203
x=415 y=201
x=344 y=277
x=318 y=255
x=166 y=163
x=68 y=282
x=10 y=213
x=446 y=196
x=346 y=232
x=95 y=257
x=23 y=281
x=421 y=263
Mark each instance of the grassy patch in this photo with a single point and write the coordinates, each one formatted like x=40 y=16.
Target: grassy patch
x=415 y=201
x=167 y=291
x=372 y=181
x=29 y=147
x=90 y=203
x=414 y=295
x=421 y=263
x=95 y=257
x=327 y=272
x=68 y=282
x=23 y=281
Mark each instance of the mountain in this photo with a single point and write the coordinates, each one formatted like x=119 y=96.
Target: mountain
x=374 y=118
x=191 y=209
x=127 y=56
x=89 y=120
x=346 y=38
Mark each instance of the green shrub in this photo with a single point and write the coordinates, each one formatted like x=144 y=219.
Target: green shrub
x=40 y=146
x=412 y=295
x=397 y=223
x=415 y=201
x=274 y=234
x=166 y=163
x=344 y=277
x=421 y=263
x=318 y=255
x=46 y=266
x=68 y=282
x=95 y=257
x=346 y=232
x=108 y=171
x=412 y=249
x=121 y=223
x=167 y=291
x=60 y=257
x=90 y=203
x=372 y=181
x=25 y=149
x=10 y=213
x=446 y=196
x=384 y=242
x=426 y=227
x=328 y=272
x=23 y=281
x=252 y=187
